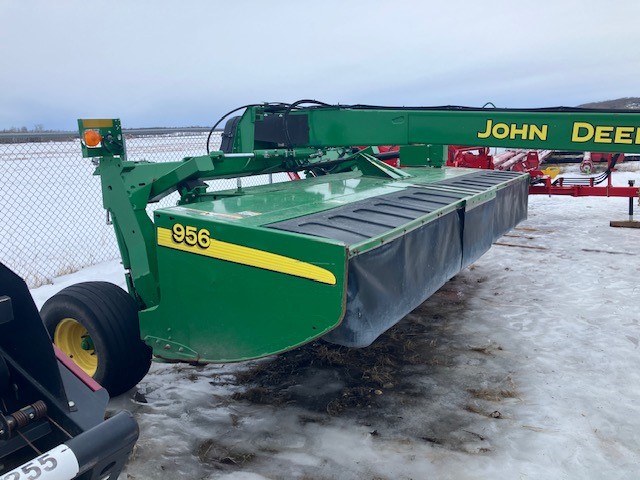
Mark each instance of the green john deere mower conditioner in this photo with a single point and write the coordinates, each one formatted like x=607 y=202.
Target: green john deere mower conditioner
x=342 y=254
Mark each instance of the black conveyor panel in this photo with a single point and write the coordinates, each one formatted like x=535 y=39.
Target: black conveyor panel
x=374 y=216
x=387 y=282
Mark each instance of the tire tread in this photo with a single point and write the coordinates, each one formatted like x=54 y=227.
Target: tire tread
x=111 y=316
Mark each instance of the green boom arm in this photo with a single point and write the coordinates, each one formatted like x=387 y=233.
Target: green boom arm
x=269 y=139
x=555 y=129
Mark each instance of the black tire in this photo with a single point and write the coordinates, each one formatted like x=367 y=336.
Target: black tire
x=110 y=316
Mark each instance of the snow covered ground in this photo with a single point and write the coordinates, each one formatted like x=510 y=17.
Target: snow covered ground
x=52 y=220
x=525 y=365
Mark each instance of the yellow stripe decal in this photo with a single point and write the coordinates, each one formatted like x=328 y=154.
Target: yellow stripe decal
x=97 y=123
x=252 y=257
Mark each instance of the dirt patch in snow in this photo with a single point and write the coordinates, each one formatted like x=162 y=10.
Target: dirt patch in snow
x=222 y=456
x=438 y=383
x=425 y=355
x=326 y=378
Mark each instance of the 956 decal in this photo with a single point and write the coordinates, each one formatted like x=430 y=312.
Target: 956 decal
x=198 y=241
x=191 y=236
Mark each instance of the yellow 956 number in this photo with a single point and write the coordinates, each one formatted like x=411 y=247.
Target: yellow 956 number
x=191 y=235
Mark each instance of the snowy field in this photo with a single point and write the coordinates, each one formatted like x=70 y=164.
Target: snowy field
x=52 y=221
x=524 y=366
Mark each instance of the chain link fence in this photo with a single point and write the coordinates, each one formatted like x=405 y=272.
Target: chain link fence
x=51 y=217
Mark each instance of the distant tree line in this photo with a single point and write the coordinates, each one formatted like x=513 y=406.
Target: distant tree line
x=37 y=134
x=36 y=128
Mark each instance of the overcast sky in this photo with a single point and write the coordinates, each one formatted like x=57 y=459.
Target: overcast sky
x=185 y=62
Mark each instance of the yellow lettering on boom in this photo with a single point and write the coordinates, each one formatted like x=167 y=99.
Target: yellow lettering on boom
x=540 y=132
x=514 y=131
x=487 y=131
x=500 y=130
x=582 y=132
x=603 y=134
x=623 y=135
x=586 y=132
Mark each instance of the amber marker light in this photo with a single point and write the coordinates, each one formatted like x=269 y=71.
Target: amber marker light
x=92 y=138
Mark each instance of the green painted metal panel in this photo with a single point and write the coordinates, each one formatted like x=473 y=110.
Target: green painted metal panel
x=536 y=129
x=221 y=307
x=222 y=310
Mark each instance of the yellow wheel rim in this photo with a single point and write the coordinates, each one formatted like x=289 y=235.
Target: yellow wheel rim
x=74 y=340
